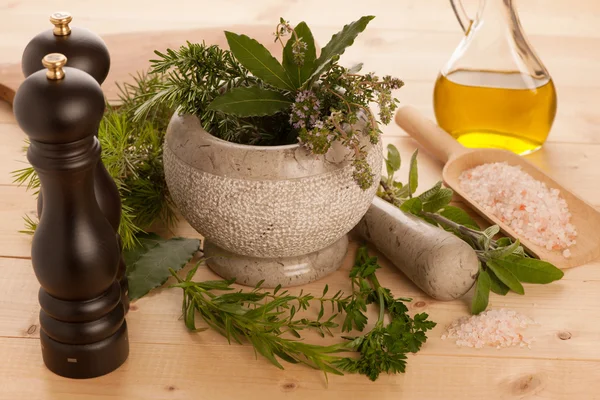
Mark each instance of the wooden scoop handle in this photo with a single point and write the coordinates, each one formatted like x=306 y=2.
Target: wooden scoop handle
x=429 y=135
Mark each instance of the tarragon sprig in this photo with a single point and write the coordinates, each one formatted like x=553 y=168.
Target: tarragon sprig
x=503 y=264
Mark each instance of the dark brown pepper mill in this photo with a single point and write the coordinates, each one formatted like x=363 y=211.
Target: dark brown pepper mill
x=75 y=253
x=86 y=51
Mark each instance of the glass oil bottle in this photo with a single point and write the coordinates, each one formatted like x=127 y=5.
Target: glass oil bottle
x=494 y=91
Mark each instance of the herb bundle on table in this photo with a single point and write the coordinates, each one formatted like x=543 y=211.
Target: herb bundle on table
x=269 y=321
x=503 y=263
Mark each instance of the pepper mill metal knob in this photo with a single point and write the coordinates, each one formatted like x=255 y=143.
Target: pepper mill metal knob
x=75 y=252
x=86 y=51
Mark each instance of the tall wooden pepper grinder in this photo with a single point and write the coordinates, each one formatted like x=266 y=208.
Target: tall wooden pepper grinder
x=86 y=51
x=75 y=253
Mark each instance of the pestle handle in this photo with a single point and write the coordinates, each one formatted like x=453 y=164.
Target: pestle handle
x=433 y=138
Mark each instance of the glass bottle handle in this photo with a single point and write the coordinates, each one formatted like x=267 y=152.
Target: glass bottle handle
x=462 y=16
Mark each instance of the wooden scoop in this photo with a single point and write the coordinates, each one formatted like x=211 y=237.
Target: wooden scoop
x=458 y=158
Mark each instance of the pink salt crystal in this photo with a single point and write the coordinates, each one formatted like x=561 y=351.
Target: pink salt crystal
x=528 y=206
x=493 y=328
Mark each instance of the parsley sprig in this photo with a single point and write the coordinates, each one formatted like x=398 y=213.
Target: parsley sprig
x=269 y=321
x=384 y=348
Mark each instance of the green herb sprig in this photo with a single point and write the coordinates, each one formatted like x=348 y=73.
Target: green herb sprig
x=384 y=348
x=503 y=264
x=268 y=320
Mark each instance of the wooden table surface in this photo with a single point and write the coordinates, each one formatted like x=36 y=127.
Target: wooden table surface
x=411 y=39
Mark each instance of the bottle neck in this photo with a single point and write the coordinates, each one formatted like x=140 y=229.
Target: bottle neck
x=496 y=14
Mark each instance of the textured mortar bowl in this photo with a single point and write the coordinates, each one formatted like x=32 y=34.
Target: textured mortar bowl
x=273 y=213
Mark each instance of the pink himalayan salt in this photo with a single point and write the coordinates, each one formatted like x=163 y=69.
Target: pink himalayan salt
x=528 y=206
x=492 y=328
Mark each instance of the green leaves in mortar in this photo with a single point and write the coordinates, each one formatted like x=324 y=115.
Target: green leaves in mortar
x=339 y=42
x=300 y=73
x=251 y=101
x=258 y=60
x=286 y=78
x=148 y=263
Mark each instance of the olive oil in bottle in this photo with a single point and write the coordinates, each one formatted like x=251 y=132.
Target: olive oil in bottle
x=511 y=111
x=494 y=91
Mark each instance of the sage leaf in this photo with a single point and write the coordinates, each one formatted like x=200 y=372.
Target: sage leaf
x=300 y=73
x=485 y=239
x=413 y=173
x=504 y=241
x=491 y=231
x=507 y=277
x=258 y=60
x=250 y=101
x=338 y=43
x=481 y=297
x=151 y=269
x=496 y=284
x=401 y=191
x=426 y=195
x=412 y=206
x=393 y=158
x=502 y=252
x=390 y=169
x=459 y=216
x=439 y=200
x=531 y=270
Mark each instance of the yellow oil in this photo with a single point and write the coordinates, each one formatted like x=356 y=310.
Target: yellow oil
x=509 y=111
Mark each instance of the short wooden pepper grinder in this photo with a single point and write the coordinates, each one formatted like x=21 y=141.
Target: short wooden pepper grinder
x=75 y=253
x=86 y=51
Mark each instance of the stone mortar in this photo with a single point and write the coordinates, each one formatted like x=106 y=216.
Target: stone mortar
x=263 y=201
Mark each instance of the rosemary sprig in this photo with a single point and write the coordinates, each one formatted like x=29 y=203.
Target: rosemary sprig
x=260 y=318
x=267 y=321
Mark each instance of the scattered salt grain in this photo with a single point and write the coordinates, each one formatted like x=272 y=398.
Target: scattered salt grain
x=527 y=205
x=493 y=328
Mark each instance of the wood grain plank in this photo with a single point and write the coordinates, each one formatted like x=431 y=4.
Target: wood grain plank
x=189 y=371
x=565 y=306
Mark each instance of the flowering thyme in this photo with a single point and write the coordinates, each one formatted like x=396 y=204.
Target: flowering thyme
x=305 y=110
x=298 y=49
x=362 y=174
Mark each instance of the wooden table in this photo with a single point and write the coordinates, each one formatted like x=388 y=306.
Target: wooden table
x=411 y=39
